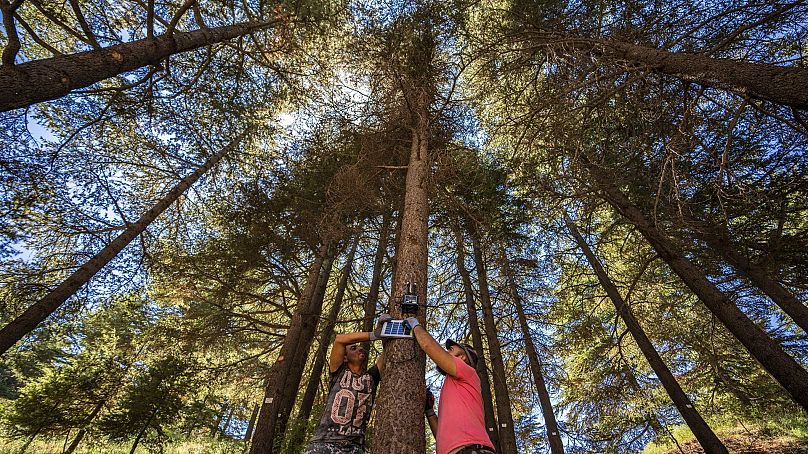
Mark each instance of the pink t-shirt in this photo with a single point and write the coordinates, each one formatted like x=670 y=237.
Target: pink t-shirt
x=460 y=411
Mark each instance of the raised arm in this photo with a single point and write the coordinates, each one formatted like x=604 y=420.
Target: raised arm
x=432 y=348
x=338 y=349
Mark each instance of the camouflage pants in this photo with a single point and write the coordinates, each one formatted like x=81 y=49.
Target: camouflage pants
x=324 y=447
x=476 y=449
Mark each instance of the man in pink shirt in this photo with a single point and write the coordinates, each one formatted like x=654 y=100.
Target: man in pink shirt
x=460 y=425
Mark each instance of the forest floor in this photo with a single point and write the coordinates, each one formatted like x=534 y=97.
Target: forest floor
x=746 y=441
x=746 y=444
x=44 y=445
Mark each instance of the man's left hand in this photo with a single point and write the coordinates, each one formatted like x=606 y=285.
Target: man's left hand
x=377 y=331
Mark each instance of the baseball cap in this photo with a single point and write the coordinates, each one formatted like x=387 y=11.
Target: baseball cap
x=471 y=354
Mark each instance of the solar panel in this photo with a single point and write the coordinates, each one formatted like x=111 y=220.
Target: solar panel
x=396 y=328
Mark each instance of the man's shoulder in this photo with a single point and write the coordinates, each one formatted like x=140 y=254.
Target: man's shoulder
x=339 y=370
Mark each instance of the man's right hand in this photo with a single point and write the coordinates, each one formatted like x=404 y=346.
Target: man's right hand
x=411 y=322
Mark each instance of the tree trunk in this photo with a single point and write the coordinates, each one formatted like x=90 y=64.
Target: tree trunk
x=214 y=428
x=784 y=369
x=477 y=340
x=325 y=338
x=400 y=407
x=376 y=278
x=251 y=423
x=143 y=431
x=651 y=418
x=223 y=431
x=311 y=321
x=83 y=431
x=553 y=435
x=40 y=310
x=778 y=84
x=706 y=437
x=273 y=416
x=42 y=80
x=30 y=440
x=718 y=238
x=507 y=436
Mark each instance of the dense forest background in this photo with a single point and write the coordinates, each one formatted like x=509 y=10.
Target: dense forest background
x=196 y=195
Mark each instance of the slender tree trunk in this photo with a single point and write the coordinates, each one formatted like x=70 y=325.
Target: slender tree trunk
x=143 y=431
x=553 y=434
x=400 y=407
x=30 y=440
x=40 y=310
x=311 y=321
x=194 y=420
x=783 y=368
x=778 y=84
x=376 y=278
x=251 y=423
x=83 y=431
x=507 y=436
x=706 y=437
x=214 y=428
x=325 y=338
x=223 y=431
x=477 y=340
x=649 y=415
x=718 y=238
x=271 y=416
x=42 y=80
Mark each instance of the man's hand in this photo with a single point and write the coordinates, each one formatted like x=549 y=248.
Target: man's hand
x=429 y=405
x=377 y=331
x=411 y=323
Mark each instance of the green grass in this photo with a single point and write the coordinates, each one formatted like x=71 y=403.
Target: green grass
x=200 y=446
x=770 y=426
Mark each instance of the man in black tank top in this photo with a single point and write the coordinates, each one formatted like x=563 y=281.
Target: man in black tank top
x=352 y=391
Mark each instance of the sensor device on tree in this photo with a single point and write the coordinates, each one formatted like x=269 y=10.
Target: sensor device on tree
x=409 y=301
x=409 y=305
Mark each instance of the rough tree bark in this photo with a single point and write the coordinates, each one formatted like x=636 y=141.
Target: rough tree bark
x=315 y=376
x=778 y=84
x=42 y=80
x=706 y=437
x=40 y=310
x=553 y=434
x=312 y=319
x=507 y=436
x=782 y=367
x=275 y=409
x=476 y=339
x=400 y=406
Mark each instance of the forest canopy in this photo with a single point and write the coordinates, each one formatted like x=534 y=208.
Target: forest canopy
x=607 y=200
